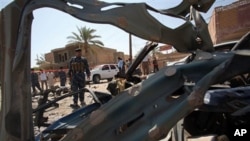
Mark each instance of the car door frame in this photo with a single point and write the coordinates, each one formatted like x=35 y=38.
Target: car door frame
x=113 y=71
x=106 y=73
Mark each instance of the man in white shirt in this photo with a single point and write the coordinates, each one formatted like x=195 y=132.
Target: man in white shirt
x=51 y=81
x=43 y=78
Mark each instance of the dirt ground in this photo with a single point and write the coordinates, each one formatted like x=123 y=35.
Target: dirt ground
x=55 y=113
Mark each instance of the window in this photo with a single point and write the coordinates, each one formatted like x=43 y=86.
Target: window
x=105 y=67
x=60 y=58
x=112 y=67
x=65 y=56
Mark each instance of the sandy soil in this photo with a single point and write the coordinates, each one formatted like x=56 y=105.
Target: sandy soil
x=55 y=113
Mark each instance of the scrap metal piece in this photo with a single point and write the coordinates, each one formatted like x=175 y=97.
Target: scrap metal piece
x=147 y=110
x=183 y=8
x=128 y=17
x=146 y=121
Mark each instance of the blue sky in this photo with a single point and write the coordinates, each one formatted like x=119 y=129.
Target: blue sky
x=51 y=28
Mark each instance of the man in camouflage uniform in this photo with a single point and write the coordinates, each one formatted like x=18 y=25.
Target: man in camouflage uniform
x=77 y=67
x=35 y=82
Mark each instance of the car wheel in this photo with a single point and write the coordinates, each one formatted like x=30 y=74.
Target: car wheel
x=96 y=79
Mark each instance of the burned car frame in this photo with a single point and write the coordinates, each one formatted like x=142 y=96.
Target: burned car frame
x=147 y=110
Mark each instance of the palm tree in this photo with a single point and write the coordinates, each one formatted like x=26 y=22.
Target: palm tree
x=86 y=36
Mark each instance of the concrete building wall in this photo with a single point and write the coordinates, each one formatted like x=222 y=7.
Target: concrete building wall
x=96 y=55
x=230 y=22
x=49 y=57
x=212 y=28
x=102 y=55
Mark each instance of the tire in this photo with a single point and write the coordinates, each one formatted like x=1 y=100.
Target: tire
x=96 y=79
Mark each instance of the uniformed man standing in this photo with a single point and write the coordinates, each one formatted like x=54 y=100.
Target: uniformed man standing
x=62 y=76
x=77 y=67
x=35 y=82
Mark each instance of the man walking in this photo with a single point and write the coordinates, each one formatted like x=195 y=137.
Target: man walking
x=35 y=82
x=155 y=65
x=77 y=66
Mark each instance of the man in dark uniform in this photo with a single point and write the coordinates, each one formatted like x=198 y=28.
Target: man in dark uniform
x=34 y=81
x=62 y=76
x=77 y=66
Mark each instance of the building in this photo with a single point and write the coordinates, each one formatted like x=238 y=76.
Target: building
x=230 y=22
x=96 y=55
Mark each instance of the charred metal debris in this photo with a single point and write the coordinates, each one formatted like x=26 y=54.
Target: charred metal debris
x=209 y=94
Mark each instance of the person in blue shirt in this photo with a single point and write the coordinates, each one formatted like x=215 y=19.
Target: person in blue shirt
x=121 y=66
x=77 y=67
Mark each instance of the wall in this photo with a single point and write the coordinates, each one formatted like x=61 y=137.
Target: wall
x=230 y=22
x=96 y=55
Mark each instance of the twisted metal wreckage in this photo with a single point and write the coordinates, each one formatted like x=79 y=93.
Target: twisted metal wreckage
x=146 y=110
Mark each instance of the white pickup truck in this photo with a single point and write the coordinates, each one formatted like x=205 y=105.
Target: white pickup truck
x=104 y=71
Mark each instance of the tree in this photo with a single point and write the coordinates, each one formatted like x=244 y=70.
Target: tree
x=86 y=37
x=40 y=59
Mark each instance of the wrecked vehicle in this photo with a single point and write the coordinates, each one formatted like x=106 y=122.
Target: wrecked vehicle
x=169 y=102
x=62 y=126
x=224 y=109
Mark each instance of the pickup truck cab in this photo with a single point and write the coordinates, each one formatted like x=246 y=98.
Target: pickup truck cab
x=104 y=71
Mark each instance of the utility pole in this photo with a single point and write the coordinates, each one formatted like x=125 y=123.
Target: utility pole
x=130 y=46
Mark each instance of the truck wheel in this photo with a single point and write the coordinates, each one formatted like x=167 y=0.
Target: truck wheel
x=96 y=79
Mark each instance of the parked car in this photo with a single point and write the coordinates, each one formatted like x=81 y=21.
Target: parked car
x=104 y=71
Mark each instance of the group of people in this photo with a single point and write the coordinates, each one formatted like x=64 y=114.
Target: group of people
x=145 y=65
x=123 y=65
x=47 y=80
x=146 y=62
x=78 y=66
